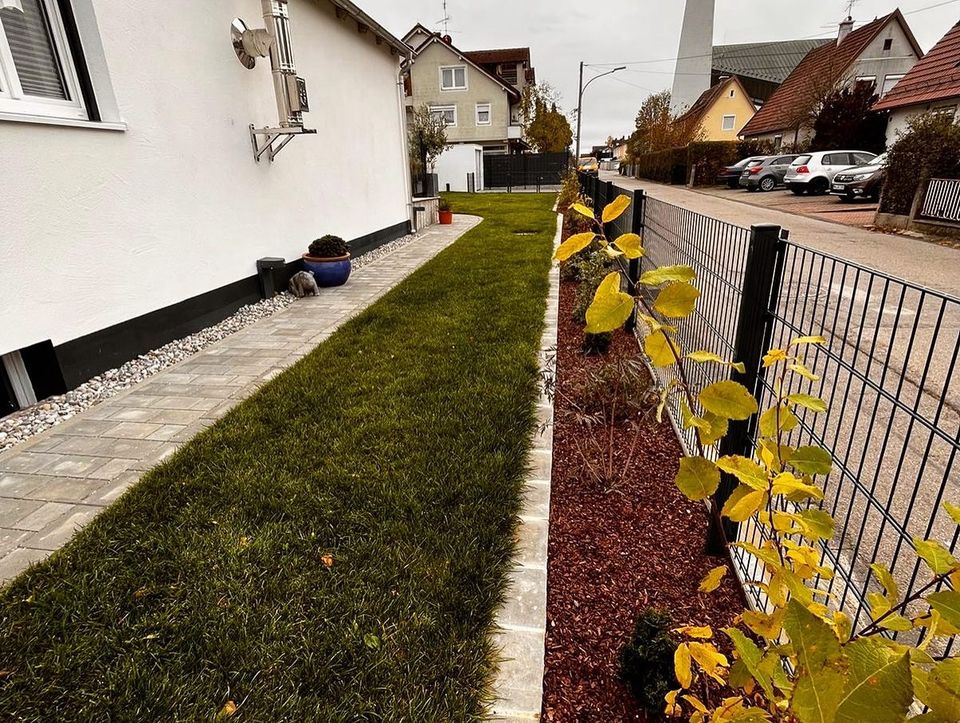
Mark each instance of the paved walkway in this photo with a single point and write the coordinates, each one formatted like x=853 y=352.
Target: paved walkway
x=56 y=482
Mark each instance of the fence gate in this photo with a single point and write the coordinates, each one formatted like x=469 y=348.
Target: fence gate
x=942 y=202
x=525 y=170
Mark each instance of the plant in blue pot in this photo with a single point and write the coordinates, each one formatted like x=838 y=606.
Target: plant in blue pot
x=328 y=259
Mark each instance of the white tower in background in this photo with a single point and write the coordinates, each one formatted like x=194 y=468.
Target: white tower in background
x=695 y=56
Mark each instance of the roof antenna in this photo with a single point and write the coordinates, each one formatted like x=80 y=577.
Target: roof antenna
x=851 y=4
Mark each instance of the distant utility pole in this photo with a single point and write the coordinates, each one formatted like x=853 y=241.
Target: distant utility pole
x=582 y=88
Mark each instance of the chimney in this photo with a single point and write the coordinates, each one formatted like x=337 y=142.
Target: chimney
x=846 y=27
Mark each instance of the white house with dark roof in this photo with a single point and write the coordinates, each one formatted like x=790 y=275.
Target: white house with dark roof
x=147 y=167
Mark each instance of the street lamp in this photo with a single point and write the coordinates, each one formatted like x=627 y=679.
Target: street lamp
x=580 y=99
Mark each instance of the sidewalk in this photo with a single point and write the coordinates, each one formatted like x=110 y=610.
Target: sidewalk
x=56 y=482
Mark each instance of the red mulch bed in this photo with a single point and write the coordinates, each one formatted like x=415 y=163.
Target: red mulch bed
x=615 y=550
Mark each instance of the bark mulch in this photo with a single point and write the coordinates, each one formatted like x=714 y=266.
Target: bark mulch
x=615 y=549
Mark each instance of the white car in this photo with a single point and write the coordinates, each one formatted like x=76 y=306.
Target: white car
x=814 y=171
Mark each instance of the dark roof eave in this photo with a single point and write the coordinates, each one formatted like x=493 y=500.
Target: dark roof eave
x=376 y=28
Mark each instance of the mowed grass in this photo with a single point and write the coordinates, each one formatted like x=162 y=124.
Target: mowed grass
x=397 y=446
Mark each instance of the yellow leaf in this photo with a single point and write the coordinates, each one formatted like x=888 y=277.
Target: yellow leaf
x=885 y=578
x=808 y=340
x=774 y=356
x=681 y=666
x=744 y=503
x=574 y=245
x=765 y=625
x=327 y=560
x=583 y=210
x=631 y=245
x=814 y=404
x=712 y=579
x=677 y=300
x=705 y=357
x=787 y=484
x=745 y=470
x=804 y=372
x=952 y=510
x=672 y=710
x=665 y=274
x=698 y=478
x=718 y=427
x=615 y=208
x=936 y=556
x=612 y=252
x=610 y=308
x=662 y=349
x=228 y=711
x=695 y=703
x=776 y=419
x=710 y=660
x=728 y=399
x=700 y=633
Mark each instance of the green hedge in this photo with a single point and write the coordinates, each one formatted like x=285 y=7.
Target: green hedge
x=673 y=165
x=930 y=148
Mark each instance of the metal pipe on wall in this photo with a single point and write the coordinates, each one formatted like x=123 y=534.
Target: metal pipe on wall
x=276 y=18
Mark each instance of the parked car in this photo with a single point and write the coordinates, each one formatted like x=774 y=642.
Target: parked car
x=730 y=175
x=861 y=181
x=767 y=174
x=814 y=171
x=589 y=165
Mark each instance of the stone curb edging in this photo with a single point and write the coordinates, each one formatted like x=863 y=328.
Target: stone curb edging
x=522 y=620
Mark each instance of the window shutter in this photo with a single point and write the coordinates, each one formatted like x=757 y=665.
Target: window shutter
x=33 y=50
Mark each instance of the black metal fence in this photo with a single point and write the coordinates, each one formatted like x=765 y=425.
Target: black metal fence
x=889 y=374
x=528 y=170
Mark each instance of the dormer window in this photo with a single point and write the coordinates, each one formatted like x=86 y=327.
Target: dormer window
x=453 y=77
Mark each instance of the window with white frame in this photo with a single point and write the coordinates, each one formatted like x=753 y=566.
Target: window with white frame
x=447 y=112
x=483 y=114
x=729 y=122
x=888 y=82
x=453 y=77
x=38 y=75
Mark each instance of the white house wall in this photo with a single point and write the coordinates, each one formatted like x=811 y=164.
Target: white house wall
x=455 y=163
x=100 y=226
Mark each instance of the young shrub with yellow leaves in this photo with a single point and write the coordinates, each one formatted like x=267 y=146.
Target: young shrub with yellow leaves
x=798 y=660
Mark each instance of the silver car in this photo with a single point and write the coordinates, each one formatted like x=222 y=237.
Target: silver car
x=813 y=172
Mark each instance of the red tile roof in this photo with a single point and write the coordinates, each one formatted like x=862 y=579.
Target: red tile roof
x=935 y=77
x=501 y=55
x=821 y=68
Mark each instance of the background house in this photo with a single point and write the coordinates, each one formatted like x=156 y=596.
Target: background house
x=721 y=111
x=761 y=67
x=932 y=85
x=880 y=52
x=480 y=107
x=133 y=209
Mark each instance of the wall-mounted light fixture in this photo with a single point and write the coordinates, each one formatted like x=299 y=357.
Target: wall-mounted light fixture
x=273 y=41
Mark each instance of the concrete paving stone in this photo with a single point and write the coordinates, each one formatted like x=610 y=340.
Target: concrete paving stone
x=26 y=462
x=58 y=532
x=45 y=442
x=526 y=604
x=146 y=464
x=132 y=430
x=65 y=489
x=192 y=430
x=178 y=403
x=177 y=416
x=532 y=543
x=136 y=399
x=536 y=500
x=179 y=377
x=19 y=560
x=541 y=464
x=219 y=411
x=10 y=539
x=100 y=411
x=13 y=511
x=204 y=405
x=43 y=515
x=72 y=465
x=125 y=448
x=13 y=484
x=109 y=493
x=133 y=414
x=112 y=469
x=167 y=432
x=519 y=686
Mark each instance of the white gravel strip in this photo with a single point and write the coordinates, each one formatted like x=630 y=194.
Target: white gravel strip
x=50 y=412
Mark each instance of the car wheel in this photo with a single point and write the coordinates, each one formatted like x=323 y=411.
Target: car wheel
x=767 y=184
x=819 y=186
x=733 y=184
x=796 y=191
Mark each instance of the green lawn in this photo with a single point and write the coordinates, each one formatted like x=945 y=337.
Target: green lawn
x=398 y=446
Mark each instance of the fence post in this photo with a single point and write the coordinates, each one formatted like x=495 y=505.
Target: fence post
x=633 y=265
x=607 y=196
x=761 y=275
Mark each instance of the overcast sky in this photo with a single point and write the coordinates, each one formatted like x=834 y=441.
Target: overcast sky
x=561 y=33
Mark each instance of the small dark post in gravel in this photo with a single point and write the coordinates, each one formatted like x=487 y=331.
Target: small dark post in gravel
x=633 y=265
x=761 y=278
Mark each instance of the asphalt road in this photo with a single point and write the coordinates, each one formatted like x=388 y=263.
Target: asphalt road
x=890 y=374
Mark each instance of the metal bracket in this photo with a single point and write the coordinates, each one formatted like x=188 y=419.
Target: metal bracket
x=271 y=136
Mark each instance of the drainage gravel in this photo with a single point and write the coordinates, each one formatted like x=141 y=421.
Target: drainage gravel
x=50 y=412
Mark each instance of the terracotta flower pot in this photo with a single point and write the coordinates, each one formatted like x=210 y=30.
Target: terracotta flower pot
x=446 y=217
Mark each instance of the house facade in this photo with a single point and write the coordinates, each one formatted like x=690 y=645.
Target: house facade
x=134 y=209
x=721 y=111
x=931 y=86
x=479 y=107
x=881 y=52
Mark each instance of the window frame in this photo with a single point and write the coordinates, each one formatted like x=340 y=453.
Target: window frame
x=12 y=98
x=489 y=108
x=897 y=78
x=733 y=122
x=453 y=75
x=444 y=109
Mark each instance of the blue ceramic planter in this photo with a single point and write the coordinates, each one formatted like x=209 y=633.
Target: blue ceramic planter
x=328 y=272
